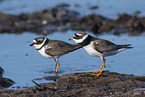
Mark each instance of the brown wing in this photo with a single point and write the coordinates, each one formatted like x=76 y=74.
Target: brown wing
x=102 y=45
x=58 y=48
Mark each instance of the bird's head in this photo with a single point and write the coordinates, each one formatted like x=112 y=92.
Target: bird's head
x=79 y=37
x=39 y=42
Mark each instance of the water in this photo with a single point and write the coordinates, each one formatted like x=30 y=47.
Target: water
x=109 y=9
x=23 y=63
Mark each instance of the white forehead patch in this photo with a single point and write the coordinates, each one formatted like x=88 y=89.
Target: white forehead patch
x=34 y=41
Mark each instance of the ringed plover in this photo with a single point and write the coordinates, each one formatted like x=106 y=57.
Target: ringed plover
x=53 y=48
x=98 y=47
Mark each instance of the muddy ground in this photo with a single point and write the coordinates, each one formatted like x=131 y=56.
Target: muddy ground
x=60 y=18
x=109 y=84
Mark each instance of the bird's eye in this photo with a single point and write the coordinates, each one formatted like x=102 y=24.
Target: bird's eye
x=39 y=42
x=77 y=36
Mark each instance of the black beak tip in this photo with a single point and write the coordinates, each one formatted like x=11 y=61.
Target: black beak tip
x=31 y=44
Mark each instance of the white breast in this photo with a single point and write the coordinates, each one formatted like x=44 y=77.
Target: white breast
x=42 y=52
x=89 y=48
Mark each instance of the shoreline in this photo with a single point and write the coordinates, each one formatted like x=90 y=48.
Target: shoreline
x=85 y=85
x=59 y=18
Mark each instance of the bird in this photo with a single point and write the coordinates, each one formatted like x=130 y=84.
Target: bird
x=98 y=47
x=53 y=49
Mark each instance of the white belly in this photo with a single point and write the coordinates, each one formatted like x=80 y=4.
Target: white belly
x=92 y=51
x=42 y=52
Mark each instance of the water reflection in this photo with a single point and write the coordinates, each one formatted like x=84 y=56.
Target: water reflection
x=23 y=64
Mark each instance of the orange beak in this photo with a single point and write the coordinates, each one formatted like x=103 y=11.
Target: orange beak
x=71 y=38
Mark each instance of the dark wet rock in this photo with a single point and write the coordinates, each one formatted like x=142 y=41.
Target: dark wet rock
x=60 y=18
x=1 y=71
x=5 y=82
x=62 y=6
x=94 y=7
x=53 y=78
x=85 y=85
x=132 y=23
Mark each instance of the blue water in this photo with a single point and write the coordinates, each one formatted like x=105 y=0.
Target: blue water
x=23 y=63
x=109 y=9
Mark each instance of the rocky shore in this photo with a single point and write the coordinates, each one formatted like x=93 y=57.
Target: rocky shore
x=60 y=18
x=109 y=84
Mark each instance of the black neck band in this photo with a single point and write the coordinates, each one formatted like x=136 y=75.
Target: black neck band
x=45 y=43
x=86 y=41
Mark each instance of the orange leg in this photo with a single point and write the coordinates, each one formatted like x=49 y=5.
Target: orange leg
x=55 y=64
x=101 y=69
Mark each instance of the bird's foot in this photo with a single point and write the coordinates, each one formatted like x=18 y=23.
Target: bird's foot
x=97 y=75
x=97 y=71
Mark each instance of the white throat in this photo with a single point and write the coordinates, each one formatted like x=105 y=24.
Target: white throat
x=81 y=40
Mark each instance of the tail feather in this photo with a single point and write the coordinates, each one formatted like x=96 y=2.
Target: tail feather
x=127 y=46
